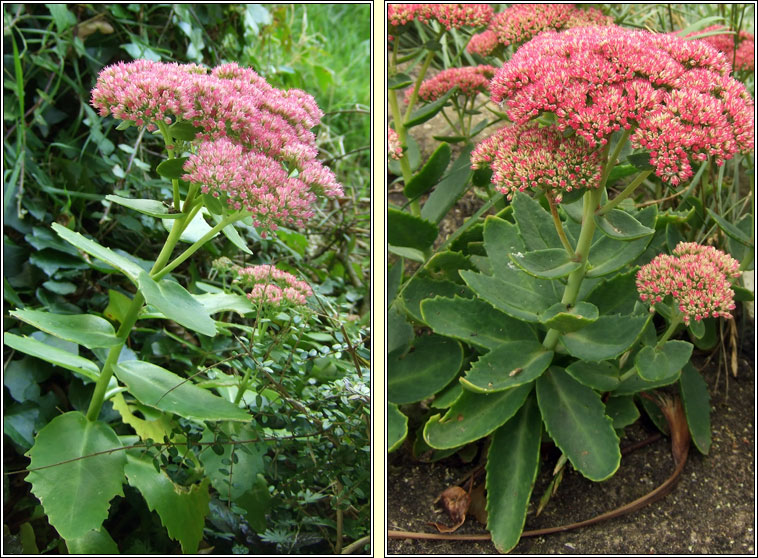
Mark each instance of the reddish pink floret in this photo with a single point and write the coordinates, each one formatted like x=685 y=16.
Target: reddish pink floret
x=675 y=95
x=470 y=81
x=483 y=43
x=744 y=59
x=251 y=182
x=394 y=149
x=526 y=156
x=273 y=286
x=451 y=16
x=697 y=277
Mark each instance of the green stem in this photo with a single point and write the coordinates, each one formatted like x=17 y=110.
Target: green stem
x=159 y=273
x=559 y=225
x=671 y=329
x=98 y=396
x=591 y=201
x=420 y=78
x=626 y=192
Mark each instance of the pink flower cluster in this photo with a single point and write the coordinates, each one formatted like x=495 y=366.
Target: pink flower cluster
x=697 y=278
x=744 y=58
x=273 y=286
x=675 y=94
x=258 y=184
x=521 y=22
x=483 y=43
x=451 y=16
x=394 y=149
x=249 y=132
x=470 y=81
x=526 y=156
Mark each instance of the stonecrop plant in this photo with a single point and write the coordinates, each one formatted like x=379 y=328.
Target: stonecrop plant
x=237 y=151
x=555 y=316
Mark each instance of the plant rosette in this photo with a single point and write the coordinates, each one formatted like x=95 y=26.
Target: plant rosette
x=542 y=316
x=237 y=148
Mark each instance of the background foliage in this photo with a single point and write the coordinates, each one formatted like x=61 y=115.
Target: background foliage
x=61 y=160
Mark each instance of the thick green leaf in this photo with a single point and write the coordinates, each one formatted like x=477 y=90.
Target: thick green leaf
x=84 y=329
x=399 y=81
x=473 y=416
x=429 y=111
x=430 y=173
x=501 y=239
x=550 y=263
x=430 y=364
x=697 y=328
x=98 y=542
x=518 y=296
x=172 y=168
x=534 y=223
x=513 y=363
x=412 y=154
x=124 y=265
x=622 y=411
x=620 y=225
x=615 y=296
x=76 y=495
x=512 y=464
x=182 y=511
x=399 y=331
x=569 y=319
x=635 y=384
x=235 y=238
x=604 y=339
x=397 y=427
x=153 y=208
x=422 y=287
x=655 y=364
x=177 y=304
x=224 y=302
x=404 y=229
x=710 y=336
x=158 y=388
x=195 y=230
x=608 y=254
x=473 y=321
x=184 y=130
x=449 y=190
x=731 y=230
x=445 y=398
x=602 y=376
x=447 y=264
x=575 y=418
x=697 y=407
x=53 y=355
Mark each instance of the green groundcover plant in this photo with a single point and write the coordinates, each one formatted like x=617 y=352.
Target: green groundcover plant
x=238 y=151
x=557 y=316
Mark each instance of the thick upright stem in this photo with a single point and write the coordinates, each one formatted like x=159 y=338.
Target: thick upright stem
x=591 y=201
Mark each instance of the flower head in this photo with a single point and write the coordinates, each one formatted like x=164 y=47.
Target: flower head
x=521 y=22
x=744 y=58
x=254 y=183
x=470 y=81
x=252 y=140
x=696 y=277
x=272 y=286
x=526 y=156
x=451 y=16
x=394 y=149
x=483 y=43
x=674 y=94
x=230 y=101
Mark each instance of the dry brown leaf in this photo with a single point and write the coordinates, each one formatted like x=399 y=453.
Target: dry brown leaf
x=456 y=502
